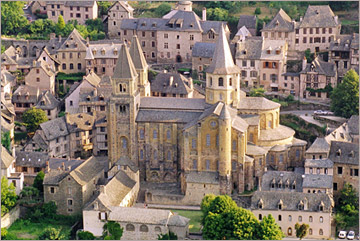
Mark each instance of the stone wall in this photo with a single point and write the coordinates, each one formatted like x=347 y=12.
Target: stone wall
x=10 y=217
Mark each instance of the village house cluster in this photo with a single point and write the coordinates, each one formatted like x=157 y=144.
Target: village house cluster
x=124 y=137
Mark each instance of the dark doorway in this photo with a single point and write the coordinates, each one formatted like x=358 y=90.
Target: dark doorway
x=178 y=59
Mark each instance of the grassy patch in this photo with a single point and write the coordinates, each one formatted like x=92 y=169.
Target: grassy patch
x=23 y=229
x=194 y=216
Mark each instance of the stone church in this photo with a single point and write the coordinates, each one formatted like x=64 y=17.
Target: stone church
x=190 y=147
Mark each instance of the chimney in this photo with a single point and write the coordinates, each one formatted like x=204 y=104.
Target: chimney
x=63 y=166
x=171 y=81
x=336 y=19
x=47 y=166
x=59 y=38
x=300 y=19
x=102 y=189
x=17 y=56
x=87 y=41
x=52 y=36
x=204 y=14
x=34 y=63
x=95 y=92
x=264 y=24
x=304 y=62
x=191 y=84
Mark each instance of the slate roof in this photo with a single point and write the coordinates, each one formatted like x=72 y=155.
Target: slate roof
x=203 y=50
x=125 y=5
x=31 y=159
x=54 y=128
x=353 y=125
x=318 y=181
x=139 y=215
x=166 y=116
x=177 y=220
x=355 y=41
x=320 y=145
x=344 y=153
x=319 y=16
x=6 y=158
x=250 y=48
x=324 y=163
x=7 y=77
x=252 y=120
x=23 y=90
x=254 y=150
x=281 y=22
x=80 y=3
x=93 y=79
x=249 y=21
x=73 y=39
x=87 y=170
x=137 y=55
x=279 y=133
x=273 y=46
x=54 y=44
x=103 y=51
x=125 y=161
x=214 y=26
x=44 y=65
x=47 y=101
x=342 y=43
x=179 y=84
x=222 y=62
x=320 y=67
x=257 y=103
x=124 y=68
x=40 y=139
x=286 y=179
x=291 y=202
x=203 y=177
x=55 y=175
x=79 y=121
x=243 y=31
x=172 y=103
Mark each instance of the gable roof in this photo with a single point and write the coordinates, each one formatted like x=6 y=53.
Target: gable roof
x=319 y=16
x=250 y=48
x=124 y=68
x=136 y=54
x=257 y=103
x=31 y=159
x=87 y=171
x=281 y=22
x=249 y=21
x=243 y=31
x=123 y=4
x=320 y=145
x=318 y=181
x=54 y=128
x=222 y=62
x=353 y=124
x=47 y=101
x=171 y=83
x=204 y=50
x=74 y=41
x=169 y=103
x=344 y=152
x=321 y=67
x=275 y=177
x=6 y=158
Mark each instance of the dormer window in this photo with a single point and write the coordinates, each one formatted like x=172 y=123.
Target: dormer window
x=280 y=205
x=273 y=183
x=294 y=185
x=260 y=204
x=321 y=207
x=338 y=153
x=280 y=184
x=301 y=205
x=191 y=25
x=268 y=51
x=88 y=98
x=154 y=24
x=351 y=154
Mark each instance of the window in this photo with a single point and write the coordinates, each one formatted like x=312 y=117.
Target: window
x=168 y=135
x=243 y=73
x=297 y=31
x=310 y=170
x=141 y=133
x=166 y=35
x=38 y=79
x=142 y=43
x=317 y=170
x=304 y=40
x=79 y=66
x=244 y=63
x=166 y=45
x=154 y=134
x=71 y=15
x=207 y=139
x=289 y=231
x=221 y=81
x=69 y=190
x=52 y=190
x=124 y=142
x=217 y=140
x=260 y=217
x=264 y=76
x=169 y=155
x=281 y=158
x=193 y=143
x=310 y=231
x=144 y=228
x=321 y=232
x=141 y=154
x=177 y=46
x=279 y=217
x=155 y=155
x=340 y=170
x=321 y=219
x=103 y=216
x=300 y=218
x=63 y=66
x=297 y=41
x=157 y=229
x=234 y=144
x=71 y=66
x=297 y=153
x=304 y=30
x=207 y=164
x=69 y=202
x=290 y=218
x=78 y=15
x=191 y=37
x=195 y=164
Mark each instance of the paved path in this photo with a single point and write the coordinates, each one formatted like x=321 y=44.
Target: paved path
x=160 y=206
x=311 y=120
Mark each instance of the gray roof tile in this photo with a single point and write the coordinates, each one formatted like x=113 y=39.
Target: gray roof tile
x=318 y=181
x=319 y=16
x=344 y=152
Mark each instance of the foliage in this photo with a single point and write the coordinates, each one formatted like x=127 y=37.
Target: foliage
x=8 y=196
x=85 y=235
x=12 y=17
x=309 y=56
x=2 y=49
x=225 y=220
x=167 y=236
x=49 y=209
x=61 y=114
x=40 y=212
x=347 y=208
x=6 y=140
x=217 y=14
x=51 y=234
x=290 y=98
x=33 y=117
x=162 y=9
x=345 y=97
x=257 y=11
x=103 y=6
x=60 y=24
x=260 y=23
x=112 y=231
x=152 y=75
x=38 y=181
x=301 y=230
x=205 y=205
x=29 y=193
x=328 y=89
x=73 y=76
x=94 y=24
x=269 y=229
x=4 y=233
x=257 y=92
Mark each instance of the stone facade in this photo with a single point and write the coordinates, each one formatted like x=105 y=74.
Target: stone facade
x=116 y=13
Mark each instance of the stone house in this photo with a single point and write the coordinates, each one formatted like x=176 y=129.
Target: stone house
x=71 y=54
x=346 y=165
x=42 y=76
x=290 y=80
x=8 y=169
x=30 y=164
x=73 y=184
x=287 y=209
x=116 y=13
x=241 y=34
x=315 y=77
x=318 y=177
x=48 y=103
x=72 y=10
x=272 y=64
x=49 y=59
x=319 y=149
x=202 y=54
x=25 y=97
x=249 y=21
x=354 y=52
x=38 y=5
x=172 y=85
x=247 y=58
x=9 y=58
x=7 y=116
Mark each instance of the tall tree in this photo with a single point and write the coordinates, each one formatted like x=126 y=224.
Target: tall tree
x=257 y=92
x=6 y=140
x=8 y=196
x=163 y=9
x=301 y=230
x=33 y=117
x=269 y=229
x=112 y=231
x=205 y=205
x=61 y=23
x=345 y=97
x=38 y=181
x=12 y=17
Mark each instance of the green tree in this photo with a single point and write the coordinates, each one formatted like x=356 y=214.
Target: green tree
x=221 y=204
x=301 y=230
x=2 y=49
x=4 y=233
x=345 y=97
x=8 y=196
x=257 y=92
x=167 y=236
x=112 y=231
x=309 y=56
x=51 y=234
x=85 y=235
x=61 y=23
x=163 y=9
x=49 y=209
x=38 y=181
x=6 y=140
x=12 y=17
x=103 y=6
x=33 y=117
x=257 y=11
x=347 y=207
x=217 y=14
x=94 y=24
x=205 y=205
x=269 y=229
x=29 y=193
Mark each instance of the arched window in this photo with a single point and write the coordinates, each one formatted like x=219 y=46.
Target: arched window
x=154 y=134
x=221 y=81
x=279 y=217
x=297 y=153
x=281 y=158
x=321 y=232
x=300 y=218
x=157 y=229
x=290 y=218
x=310 y=231
x=155 y=155
x=169 y=155
x=124 y=142
x=217 y=140
x=120 y=87
x=310 y=219
x=141 y=132
x=234 y=144
x=130 y=227
x=260 y=217
x=207 y=139
x=289 y=231
x=193 y=143
x=144 y=228
x=195 y=164
x=168 y=134
x=210 y=81
x=141 y=154
x=321 y=219
x=230 y=81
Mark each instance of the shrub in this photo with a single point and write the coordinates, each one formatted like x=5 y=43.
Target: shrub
x=4 y=233
x=51 y=234
x=85 y=235
x=257 y=11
